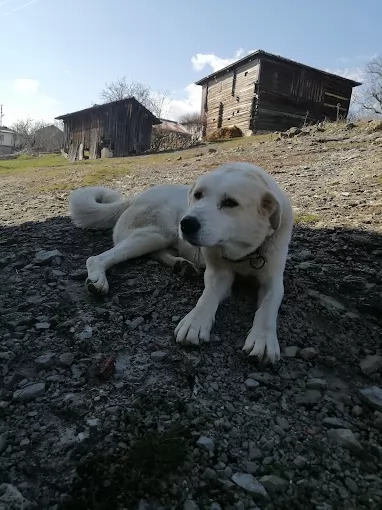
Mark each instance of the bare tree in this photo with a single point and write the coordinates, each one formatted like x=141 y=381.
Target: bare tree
x=156 y=102
x=194 y=123
x=38 y=135
x=372 y=94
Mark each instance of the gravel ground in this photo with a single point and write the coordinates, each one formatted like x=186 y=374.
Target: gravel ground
x=177 y=428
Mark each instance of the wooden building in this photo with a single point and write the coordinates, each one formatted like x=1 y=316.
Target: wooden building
x=124 y=127
x=265 y=92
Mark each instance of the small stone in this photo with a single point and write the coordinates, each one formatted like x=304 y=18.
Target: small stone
x=283 y=423
x=42 y=325
x=209 y=474
x=291 y=351
x=371 y=364
x=112 y=410
x=273 y=483
x=254 y=453
x=334 y=423
x=344 y=438
x=251 y=384
x=377 y=419
x=206 y=443
x=93 y=422
x=29 y=393
x=317 y=384
x=372 y=396
x=12 y=499
x=66 y=360
x=211 y=150
x=215 y=506
x=3 y=443
x=158 y=356
x=357 y=411
x=45 y=257
x=300 y=462
x=250 y=485
x=44 y=361
x=351 y=485
x=86 y=333
x=189 y=504
x=135 y=323
x=308 y=353
x=310 y=398
x=250 y=467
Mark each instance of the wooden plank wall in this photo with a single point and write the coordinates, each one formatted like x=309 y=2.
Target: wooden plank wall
x=290 y=95
x=234 y=90
x=123 y=128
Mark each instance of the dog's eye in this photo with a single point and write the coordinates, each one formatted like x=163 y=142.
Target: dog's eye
x=198 y=195
x=229 y=202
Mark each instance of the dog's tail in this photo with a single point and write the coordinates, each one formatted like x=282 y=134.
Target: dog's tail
x=96 y=207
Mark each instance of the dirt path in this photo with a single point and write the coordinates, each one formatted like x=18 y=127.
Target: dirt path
x=175 y=428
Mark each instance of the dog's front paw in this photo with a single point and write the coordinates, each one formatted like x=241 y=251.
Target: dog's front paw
x=194 y=328
x=185 y=268
x=96 y=283
x=262 y=344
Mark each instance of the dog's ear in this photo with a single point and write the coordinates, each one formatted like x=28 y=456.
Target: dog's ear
x=270 y=207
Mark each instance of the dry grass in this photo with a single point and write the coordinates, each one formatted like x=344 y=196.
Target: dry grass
x=306 y=218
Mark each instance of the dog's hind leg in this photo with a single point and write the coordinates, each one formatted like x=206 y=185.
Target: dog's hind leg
x=137 y=243
x=179 y=265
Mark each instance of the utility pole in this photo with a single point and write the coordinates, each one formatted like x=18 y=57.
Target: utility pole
x=1 y=135
x=1 y=115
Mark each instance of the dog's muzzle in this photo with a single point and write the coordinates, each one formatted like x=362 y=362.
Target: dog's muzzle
x=190 y=226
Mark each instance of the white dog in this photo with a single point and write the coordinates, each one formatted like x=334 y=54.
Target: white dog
x=235 y=219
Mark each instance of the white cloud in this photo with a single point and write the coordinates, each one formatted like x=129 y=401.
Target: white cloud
x=202 y=60
x=352 y=73
x=190 y=104
x=192 y=94
x=24 y=98
x=26 y=86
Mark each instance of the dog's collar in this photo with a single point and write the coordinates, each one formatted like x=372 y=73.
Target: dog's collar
x=256 y=260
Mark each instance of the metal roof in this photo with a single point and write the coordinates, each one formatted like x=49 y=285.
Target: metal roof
x=106 y=105
x=172 y=125
x=262 y=53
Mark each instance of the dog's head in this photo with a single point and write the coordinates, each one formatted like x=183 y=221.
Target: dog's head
x=231 y=208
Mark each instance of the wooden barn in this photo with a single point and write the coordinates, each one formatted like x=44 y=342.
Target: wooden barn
x=123 y=127
x=265 y=92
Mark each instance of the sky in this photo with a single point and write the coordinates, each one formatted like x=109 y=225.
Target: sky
x=57 y=55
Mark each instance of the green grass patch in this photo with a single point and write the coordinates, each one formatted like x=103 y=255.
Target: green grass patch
x=25 y=162
x=306 y=218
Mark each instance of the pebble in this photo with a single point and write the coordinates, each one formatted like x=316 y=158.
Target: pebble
x=310 y=398
x=206 y=443
x=135 y=323
x=344 y=438
x=3 y=443
x=308 y=353
x=158 y=355
x=189 y=504
x=291 y=351
x=273 y=483
x=44 y=361
x=335 y=423
x=371 y=364
x=372 y=396
x=45 y=257
x=29 y=392
x=251 y=384
x=317 y=384
x=66 y=359
x=300 y=462
x=42 y=325
x=12 y=499
x=250 y=485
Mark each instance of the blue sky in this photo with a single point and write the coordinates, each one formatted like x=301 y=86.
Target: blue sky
x=58 y=54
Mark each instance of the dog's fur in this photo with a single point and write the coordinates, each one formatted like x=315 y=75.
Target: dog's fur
x=235 y=212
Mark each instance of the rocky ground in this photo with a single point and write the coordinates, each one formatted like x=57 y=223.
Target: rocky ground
x=176 y=428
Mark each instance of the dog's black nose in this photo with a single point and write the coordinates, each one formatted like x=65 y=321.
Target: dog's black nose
x=189 y=225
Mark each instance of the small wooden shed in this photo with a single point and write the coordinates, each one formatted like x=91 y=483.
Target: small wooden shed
x=124 y=127
x=266 y=92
